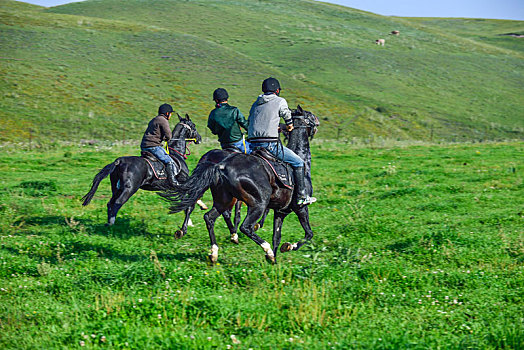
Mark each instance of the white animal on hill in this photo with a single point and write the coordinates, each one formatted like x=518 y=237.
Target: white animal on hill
x=380 y=42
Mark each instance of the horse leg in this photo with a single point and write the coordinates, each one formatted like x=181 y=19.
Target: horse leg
x=111 y=214
x=238 y=206
x=248 y=228
x=123 y=194
x=232 y=229
x=278 y=219
x=183 y=230
x=210 y=218
x=303 y=217
x=260 y=222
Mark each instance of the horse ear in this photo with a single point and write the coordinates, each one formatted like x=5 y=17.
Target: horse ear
x=187 y=117
x=179 y=117
x=300 y=110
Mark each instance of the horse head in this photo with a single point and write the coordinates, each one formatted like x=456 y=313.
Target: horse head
x=185 y=131
x=303 y=118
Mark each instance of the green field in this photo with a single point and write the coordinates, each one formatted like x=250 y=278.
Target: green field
x=416 y=246
x=98 y=69
x=418 y=167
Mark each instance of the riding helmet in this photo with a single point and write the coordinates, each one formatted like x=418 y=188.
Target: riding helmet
x=270 y=85
x=165 y=109
x=220 y=95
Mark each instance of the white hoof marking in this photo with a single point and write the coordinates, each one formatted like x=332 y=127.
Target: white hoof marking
x=267 y=248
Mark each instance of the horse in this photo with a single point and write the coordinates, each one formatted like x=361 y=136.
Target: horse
x=248 y=178
x=128 y=174
x=216 y=156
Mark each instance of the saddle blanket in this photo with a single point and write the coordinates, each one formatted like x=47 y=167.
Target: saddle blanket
x=283 y=172
x=159 y=169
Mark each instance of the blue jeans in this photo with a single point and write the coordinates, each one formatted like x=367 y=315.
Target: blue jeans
x=239 y=145
x=160 y=153
x=280 y=152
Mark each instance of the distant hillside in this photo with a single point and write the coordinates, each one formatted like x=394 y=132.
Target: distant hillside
x=98 y=69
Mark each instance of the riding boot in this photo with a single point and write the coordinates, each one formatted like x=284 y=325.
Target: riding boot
x=171 y=174
x=302 y=196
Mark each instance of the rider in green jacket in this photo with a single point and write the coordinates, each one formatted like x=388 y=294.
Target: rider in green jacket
x=225 y=121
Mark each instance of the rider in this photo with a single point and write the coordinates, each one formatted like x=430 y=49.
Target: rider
x=264 y=118
x=225 y=121
x=158 y=131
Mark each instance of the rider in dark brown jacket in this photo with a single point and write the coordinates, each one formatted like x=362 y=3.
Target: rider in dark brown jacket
x=157 y=132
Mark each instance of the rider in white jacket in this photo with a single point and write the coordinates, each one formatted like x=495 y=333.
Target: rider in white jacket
x=264 y=119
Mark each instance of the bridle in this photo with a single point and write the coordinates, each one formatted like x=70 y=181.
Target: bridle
x=309 y=123
x=187 y=152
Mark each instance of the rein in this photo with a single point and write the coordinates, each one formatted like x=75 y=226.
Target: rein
x=187 y=152
x=183 y=155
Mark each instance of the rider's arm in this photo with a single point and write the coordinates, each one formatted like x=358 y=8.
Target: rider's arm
x=285 y=112
x=241 y=120
x=165 y=130
x=211 y=124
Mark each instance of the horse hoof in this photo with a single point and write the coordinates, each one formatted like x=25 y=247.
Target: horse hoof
x=271 y=259
x=234 y=240
x=179 y=234
x=211 y=260
x=286 y=247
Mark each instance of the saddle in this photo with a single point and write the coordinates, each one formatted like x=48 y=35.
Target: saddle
x=282 y=170
x=232 y=149
x=159 y=169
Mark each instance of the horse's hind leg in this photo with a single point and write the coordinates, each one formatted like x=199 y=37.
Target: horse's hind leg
x=260 y=222
x=210 y=218
x=124 y=191
x=183 y=230
x=232 y=228
x=111 y=214
x=278 y=219
x=248 y=228
x=303 y=217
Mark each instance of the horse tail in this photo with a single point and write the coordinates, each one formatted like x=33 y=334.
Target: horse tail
x=189 y=192
x=108 y=169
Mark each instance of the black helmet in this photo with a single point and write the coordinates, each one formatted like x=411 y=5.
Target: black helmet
x=270 y=85
x=164 y=109
x=220 y=95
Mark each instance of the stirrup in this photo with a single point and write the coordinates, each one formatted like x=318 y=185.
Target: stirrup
x=306 y=200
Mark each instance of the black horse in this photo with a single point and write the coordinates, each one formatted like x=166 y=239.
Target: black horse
x=249 y=179
x=128 y=174
x=216 y=156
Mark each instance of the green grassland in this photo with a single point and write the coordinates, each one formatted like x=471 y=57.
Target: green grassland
x=418 y=244
x=98 y=69
x=418 y=247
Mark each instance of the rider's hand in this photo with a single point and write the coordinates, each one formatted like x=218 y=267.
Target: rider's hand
x=289 y=127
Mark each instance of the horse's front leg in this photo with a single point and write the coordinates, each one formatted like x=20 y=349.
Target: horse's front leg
x=183 y=230
x=303 y=217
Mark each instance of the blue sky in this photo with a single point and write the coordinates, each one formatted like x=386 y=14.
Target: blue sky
x=501 y=9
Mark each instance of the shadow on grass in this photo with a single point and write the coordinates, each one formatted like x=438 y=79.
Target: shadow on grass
x=123 y=228
x=78 y=242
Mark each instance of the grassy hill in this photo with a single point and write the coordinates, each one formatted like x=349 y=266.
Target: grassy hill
x=98 y=69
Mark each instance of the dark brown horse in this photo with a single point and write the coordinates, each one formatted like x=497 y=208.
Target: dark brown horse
x=128 y=174
x=249 y=179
